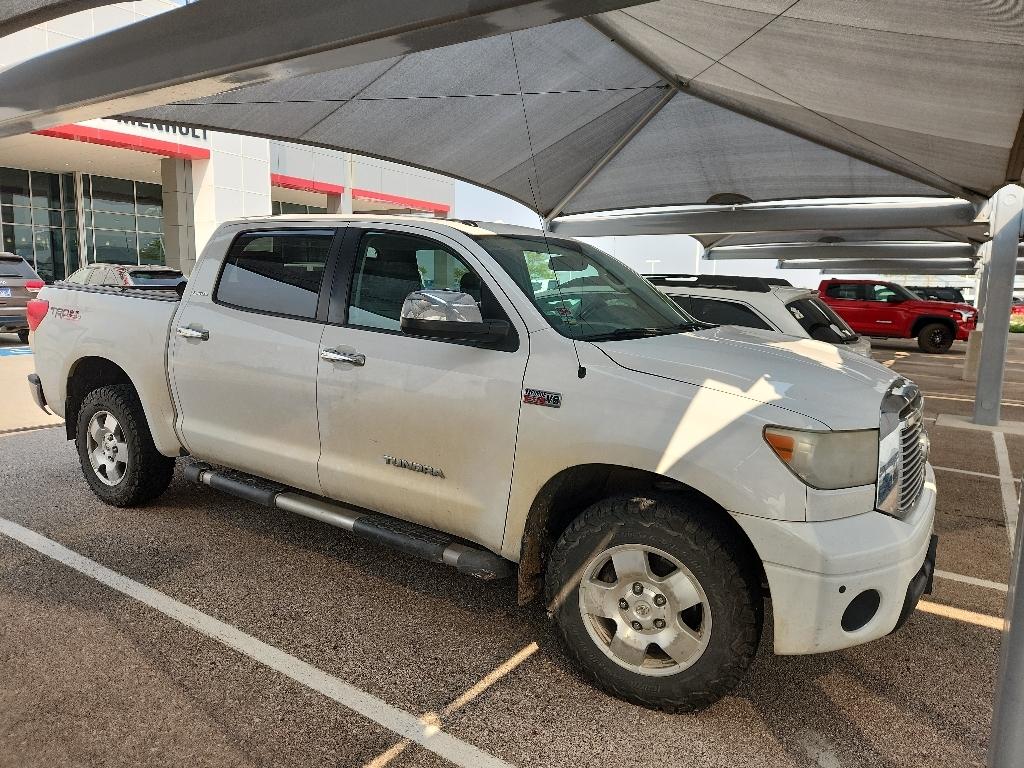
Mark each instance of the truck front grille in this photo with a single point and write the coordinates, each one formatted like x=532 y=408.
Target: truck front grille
x=913 y=454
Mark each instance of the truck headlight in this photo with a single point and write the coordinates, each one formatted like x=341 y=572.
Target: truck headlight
x=965 y=314
x=827 y=460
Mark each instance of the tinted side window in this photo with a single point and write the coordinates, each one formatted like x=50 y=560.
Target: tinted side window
x=880 y=292
x=390 y=266
x=843 y=291
x=277 y=272
x=725 y=313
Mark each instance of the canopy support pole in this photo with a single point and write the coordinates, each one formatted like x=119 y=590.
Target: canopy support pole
x=1006 y=747
x=1006 y=225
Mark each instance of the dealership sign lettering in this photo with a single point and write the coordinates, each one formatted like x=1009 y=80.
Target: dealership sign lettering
x=178 y=130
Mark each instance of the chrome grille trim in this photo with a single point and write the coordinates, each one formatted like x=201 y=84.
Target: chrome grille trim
x=912 y=455
x=902 y=469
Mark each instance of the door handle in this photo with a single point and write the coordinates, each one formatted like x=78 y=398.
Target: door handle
x=334 y=356
x=192 y=333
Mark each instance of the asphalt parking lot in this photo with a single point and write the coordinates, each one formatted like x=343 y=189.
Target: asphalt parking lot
x=92 y=676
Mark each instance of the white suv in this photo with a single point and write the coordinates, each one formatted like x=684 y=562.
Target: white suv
x=755 y=302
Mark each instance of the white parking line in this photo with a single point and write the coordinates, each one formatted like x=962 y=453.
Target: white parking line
x=998 y=586
x=403 y=723
x=1006 y=485
x=965 y=472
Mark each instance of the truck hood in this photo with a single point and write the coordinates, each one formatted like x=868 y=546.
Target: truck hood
x=822 y=381
x=946 y=307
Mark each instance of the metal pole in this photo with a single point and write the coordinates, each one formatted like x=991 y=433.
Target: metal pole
x=350 y=181
x=1006 y=224
x=984 y=254
x=1006 y=747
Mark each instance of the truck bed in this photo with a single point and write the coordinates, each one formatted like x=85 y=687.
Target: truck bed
x=128 y=327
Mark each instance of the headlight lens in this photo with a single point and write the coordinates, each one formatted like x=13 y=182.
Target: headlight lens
x=827 y=460
x=965 y=314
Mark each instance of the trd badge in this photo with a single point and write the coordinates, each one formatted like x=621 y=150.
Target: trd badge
x=542 y=397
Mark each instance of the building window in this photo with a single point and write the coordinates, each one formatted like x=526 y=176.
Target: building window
x=37 y=217
x=123 y=221
x=277 y=208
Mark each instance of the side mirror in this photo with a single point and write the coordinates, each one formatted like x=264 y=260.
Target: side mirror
x=442 y=314
x=894 y=300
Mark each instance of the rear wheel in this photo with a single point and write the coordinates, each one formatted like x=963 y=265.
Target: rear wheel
x=656 y=601
x=116 y=451
x=935 y=338
x=23 y=335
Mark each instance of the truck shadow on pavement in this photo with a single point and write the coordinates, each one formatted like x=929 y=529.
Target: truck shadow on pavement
x=417 y=634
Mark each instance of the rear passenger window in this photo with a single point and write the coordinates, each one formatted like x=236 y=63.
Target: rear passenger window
x=725 y=313
x=843 y=291
x=276 y=272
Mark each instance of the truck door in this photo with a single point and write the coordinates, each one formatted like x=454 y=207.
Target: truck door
x=890 y=317
x=422 y=429
x=243 y=354
x=847 y=300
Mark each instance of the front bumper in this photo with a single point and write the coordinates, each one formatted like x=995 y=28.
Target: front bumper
x=816 y=570
x=963 y=330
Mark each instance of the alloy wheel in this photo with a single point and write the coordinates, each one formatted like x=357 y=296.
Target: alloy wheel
x=645 y=609
x=107 y=448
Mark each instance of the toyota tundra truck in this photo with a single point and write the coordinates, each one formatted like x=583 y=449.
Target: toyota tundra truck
x=888 y=310
x=515 y=404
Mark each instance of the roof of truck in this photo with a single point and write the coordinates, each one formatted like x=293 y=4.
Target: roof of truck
x=473 y=228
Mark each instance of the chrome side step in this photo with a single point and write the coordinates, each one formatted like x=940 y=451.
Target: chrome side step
x=406 y=537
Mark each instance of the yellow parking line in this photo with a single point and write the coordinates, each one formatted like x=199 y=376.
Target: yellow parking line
x=946 y=611
x=434 y=720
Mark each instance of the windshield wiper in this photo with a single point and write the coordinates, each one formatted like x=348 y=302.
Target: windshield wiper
x=642 y=333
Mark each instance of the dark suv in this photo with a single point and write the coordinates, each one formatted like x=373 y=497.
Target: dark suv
x=18 y=283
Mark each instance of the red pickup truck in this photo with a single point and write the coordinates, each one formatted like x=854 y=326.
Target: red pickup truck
x=877 y=308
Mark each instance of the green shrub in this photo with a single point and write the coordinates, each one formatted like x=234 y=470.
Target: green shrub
x=1016 y=323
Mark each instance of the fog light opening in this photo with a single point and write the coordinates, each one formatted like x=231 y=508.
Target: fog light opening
x=861 y=610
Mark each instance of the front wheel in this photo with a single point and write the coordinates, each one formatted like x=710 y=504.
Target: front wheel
x=116 y=451
x=656 y=600
x=935 y=338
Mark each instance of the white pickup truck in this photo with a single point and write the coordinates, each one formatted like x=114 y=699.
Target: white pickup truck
x=486 y=396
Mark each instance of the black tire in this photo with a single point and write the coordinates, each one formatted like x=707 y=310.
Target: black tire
x=935 y=338
x=23 y=336
x=695 y=533
x=147 y=472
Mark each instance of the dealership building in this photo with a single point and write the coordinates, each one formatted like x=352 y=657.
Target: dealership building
x=137 y=192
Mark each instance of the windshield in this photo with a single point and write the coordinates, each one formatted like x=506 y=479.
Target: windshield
x=902 y=292
x=820 y=322
x=584 y=293
x=16 y=268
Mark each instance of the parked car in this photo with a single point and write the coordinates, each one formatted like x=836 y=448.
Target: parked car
x=128 y=275
x=939 y=293
x=754 y=302
x=652 y=478
x=18 y=284
x=888 y=310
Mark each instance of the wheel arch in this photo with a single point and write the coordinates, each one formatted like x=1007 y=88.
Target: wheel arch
x=86 y=375
x=921 y=322
x=565 y=495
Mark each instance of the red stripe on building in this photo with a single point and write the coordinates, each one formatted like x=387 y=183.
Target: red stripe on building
x=405 y=202
x=324 y=188
x=129 y=141
x=304 y=185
